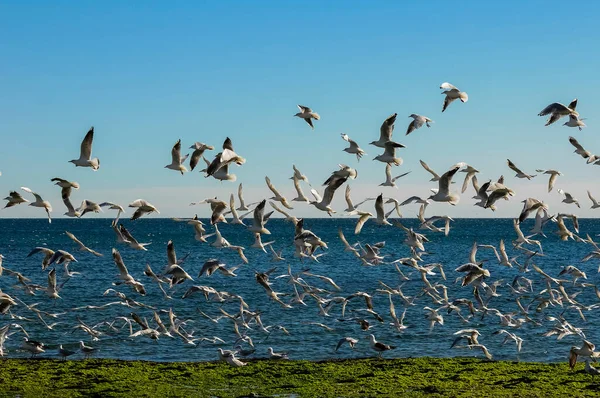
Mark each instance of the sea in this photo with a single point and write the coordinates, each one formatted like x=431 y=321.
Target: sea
x=293 y=330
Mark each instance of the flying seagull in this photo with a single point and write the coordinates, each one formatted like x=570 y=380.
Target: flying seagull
x=39 y=202
x=176 y=159
x=353 y=148
x=307 y=114
x=385 y=132
x=418 y=122
x=85 y=156
x=452 y=93
x=557 y=110
x=199 y=148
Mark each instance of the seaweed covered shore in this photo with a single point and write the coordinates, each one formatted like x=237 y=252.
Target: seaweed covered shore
x=452 y=377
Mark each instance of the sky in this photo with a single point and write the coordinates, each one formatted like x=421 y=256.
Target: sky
x=146 y=74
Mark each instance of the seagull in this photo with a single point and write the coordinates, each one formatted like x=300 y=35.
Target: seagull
x=364 y=216
x=557 y=110
x=278 y=197
x=436 y=177
x=324 y=203
x=258 y=243
x=351 y=342
x=470 y=174
x=88 y=206
x=235 y=217
x=276 y=256
x=378 y=346
x=553 y=175
x=82 y=247
x=418 y=122
x=258 y=221
x=86 y=350
x=568 y=198
x=344 y=172
x=353 y=148
x=381 y=220
x=129 y=239
x=14 y=198
x=277 y=355
x=143 y=208
x=242 y=206
x=64 y=183
x=389 y=181
x=300 y=197
x=307 y=114
x=510 y=336
x=113 y=206
x=124 y=273
x=48 y=254
x=452 y=93
x=581 y=151
x=66 y=187
x=51 y=290
x=64 y=353
x=443 y=194
x=589 y=369
x=298 y=175
x=586 y=350
x=531 y=204
x=34 y=347
x=176 y=159
x=85 y=156
x=61 y=256
x=385 y=132
x=287 y=216
x=389 y=154
x=3 y=331
x=575 y=121
x=226 y=157
x=519 y=174
x=39 y=202
x=199 y=149
x=595 y=203
x=229 y=357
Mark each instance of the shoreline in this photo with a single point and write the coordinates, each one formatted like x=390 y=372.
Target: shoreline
x=406 y=377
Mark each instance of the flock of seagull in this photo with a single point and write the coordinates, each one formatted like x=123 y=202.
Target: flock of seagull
x=532 y=296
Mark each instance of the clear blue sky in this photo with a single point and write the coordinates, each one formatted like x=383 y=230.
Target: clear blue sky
x=148 y=73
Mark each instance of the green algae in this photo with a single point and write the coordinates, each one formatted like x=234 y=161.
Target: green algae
x=452 y=377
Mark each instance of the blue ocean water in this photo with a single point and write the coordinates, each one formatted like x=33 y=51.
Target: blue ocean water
x=305 y=340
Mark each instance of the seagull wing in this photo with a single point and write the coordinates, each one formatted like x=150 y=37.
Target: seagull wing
x=387 y=128
x=176 y=152
x=426 y=167
x=271 y=187
x=555 y=107
x=119 y=262
x=86 y=145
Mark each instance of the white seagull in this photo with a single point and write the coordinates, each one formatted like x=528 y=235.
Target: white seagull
x=443 y=193
x=353 y=148
x=575 y=121
x=418 y=122
x=199 y=149
x=389 y=154
x=385 y=132
x=389 y=180
x=553 y=175
x=557 y=110
x=142 y=208
x=39 y=202
x=307 y=114
x=85 y=155
x=176 y=159
x=452 y=93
